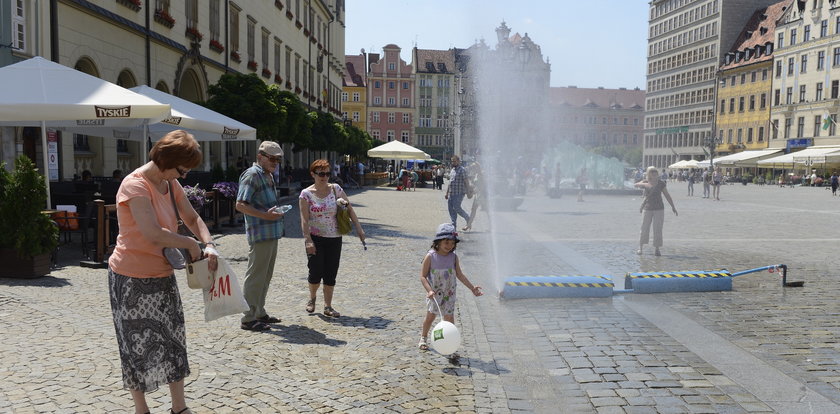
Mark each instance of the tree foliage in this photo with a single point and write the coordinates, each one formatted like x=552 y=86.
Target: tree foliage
x=247 y=99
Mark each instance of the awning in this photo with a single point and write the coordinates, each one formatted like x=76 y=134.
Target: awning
x=677 y=165
x=746 y=158
x=808 y=156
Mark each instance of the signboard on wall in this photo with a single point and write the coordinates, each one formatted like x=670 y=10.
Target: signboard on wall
x=52 y=154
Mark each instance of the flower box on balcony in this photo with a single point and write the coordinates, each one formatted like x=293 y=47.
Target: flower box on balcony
x=312 y=39
x=252 y=64
x=194 y=34
x=289 y=85
x=215 y=45
x=278 y=4
x=319 y=46
x=298 y=24
x=289 y=14
x=163 y=17
x=266 y=73
x=234 y=55
x=131 y=4
x=297 y=89
x=278 y=79
x=319 y=102
x=306 y=32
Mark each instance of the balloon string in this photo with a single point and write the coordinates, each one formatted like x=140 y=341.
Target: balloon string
x=436 y=304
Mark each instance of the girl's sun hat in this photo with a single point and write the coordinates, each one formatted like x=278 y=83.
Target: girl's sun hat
x=446 y=231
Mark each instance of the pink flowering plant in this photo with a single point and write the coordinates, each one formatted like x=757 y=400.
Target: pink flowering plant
x=196 y=195
x=227 y=189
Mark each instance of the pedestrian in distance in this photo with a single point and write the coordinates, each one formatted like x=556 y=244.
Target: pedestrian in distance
x=257 y=200
x=690 y=180
x=146 y=305
x=834 y=183
x=459 y=186
x=582 y=180
x=319 y=205
x=440 y=273
x=653 y=209
x=478 y=195
x=717 y=181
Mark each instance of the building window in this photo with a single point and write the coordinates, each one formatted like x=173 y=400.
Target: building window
x=375 y=134
x=819 y=94
x=392 y=66
x=404 y=136
x=729 y=136
x=820 y=60
x=214 y=20
x=405 y=85
x=800 y=127
x=817 y=124
x=835 y=88
x=405 y=102
x=191 y=7
x=760 y=134
x=743 y=78
x=723 y=106
x=391 y=84
x=741 y=104
x=803 y=64
x=779 y=68
x=390 y=135
x=356 y=97
x=791 y=64
x=753 y=76
x=376 y=117
x=344 y=96
x=377 y=100
x=789 y=96
x=788 y=124
x=264 y=47
x=836 y=61
x=406 y=118
x=391 y=118
x=749 y=135
x=832 y=127
x=377 y=84
x=824 y=28
x=763 y=101
x=740 y=135
x=19 y=26
x=234 y=29
x=356 y=117
x=752 y=102
x=731 y=105
x=251 y=41
x=392 y=101
x=278 y=56
x=806 y=35
x=781 y=41
x=792 y=37
x=801 y=93
x=764 y=74
x=775 y=129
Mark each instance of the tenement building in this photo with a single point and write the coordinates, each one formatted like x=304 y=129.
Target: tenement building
x=806 y=76
x=686 y=40
x=434 y=71
x=354 y=91
x=178 y=47
x=746 y=76
x=597 y=117
x=390 y=88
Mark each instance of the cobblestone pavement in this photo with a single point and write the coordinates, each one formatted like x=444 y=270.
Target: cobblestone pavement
x=758 y=348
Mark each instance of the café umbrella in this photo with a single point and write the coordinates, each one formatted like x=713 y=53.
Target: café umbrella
x=41 y=93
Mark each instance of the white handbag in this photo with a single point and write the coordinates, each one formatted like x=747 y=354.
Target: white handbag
x=199 y=275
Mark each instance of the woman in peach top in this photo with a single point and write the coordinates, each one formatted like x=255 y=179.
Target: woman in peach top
x=146 y=305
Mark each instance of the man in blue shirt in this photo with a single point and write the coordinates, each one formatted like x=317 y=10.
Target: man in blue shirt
x=257 y=200
x=459 y=186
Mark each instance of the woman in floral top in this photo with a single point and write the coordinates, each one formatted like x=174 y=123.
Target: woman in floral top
x=318 y=208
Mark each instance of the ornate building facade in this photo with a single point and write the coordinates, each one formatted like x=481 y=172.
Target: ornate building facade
x=390 y=92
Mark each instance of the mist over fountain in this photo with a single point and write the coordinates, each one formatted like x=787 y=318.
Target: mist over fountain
x=508 y=90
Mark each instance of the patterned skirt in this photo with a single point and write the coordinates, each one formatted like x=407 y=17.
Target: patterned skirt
x=149 y=322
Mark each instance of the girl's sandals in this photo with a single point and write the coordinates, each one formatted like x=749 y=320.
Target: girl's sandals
x=310 y=306
x=423 y=346
x=329 y=311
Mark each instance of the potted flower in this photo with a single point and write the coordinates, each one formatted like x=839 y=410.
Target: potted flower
x=252 y=64
x=163 y=17
x=196 y=195
x=226 y=189
x=216 y=45
x=278 y=79
x=266 y=73
x=27 y=235
x=192 y=32
x=235 y=56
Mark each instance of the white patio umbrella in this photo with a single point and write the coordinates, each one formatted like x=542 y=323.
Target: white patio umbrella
x=38 y=92
x=677 y=165
x=396 y=150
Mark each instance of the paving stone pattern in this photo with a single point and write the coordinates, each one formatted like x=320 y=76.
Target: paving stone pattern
x=578 y=355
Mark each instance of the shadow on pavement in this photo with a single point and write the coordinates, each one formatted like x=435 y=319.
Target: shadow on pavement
x=44 y=281
x=488 y=367
x=374 y=322
x=297 y=334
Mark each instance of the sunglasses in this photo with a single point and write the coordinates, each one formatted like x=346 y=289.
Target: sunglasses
x=322 y=173
x=271 y=157
x=181 y=172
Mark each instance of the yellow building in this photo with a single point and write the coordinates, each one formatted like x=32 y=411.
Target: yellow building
x=353 y=91
x=745 y=81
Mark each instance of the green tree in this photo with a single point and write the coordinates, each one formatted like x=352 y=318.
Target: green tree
x=24 y=227
x=249 y=100
x=294 y=124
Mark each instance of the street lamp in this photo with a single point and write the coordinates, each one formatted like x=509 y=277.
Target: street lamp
x=712 y=141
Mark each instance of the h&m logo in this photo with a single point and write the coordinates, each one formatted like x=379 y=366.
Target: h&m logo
x=102 y=112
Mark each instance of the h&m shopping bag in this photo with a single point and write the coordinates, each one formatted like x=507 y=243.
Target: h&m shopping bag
x=224 y=297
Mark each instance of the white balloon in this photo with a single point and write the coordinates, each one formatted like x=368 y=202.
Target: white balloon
x=445 y=338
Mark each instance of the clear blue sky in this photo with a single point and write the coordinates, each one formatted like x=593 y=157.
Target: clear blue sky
x=590 y=43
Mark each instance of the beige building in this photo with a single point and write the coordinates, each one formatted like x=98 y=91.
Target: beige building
x=685 y=42
x=597 y=117
x=805 y=76
x=436 y=92
x=181 y=47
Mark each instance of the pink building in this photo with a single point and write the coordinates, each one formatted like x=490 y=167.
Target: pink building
x=390 y=87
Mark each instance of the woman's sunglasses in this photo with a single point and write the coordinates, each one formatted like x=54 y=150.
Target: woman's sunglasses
x=322 y=173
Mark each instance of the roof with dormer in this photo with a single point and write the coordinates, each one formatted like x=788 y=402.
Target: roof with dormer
x=354 y=76
x=434 y=61
x=621 y=98
x=756 y=42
